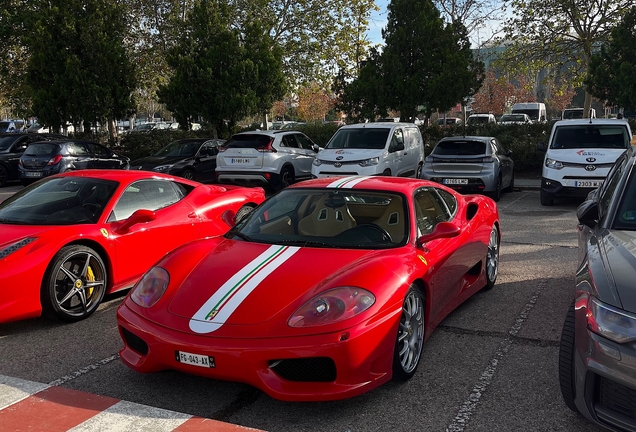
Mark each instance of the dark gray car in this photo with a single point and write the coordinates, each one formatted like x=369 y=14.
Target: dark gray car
x=597 y=359
x=471 y=164
x=12 y=145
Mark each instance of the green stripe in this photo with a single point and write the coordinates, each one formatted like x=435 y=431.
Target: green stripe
x=261 y=265
x=343 y=182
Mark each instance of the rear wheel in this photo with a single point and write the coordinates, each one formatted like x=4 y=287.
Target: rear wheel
x=492 y=258
x=566 y=361
x=546 y=199
x=496 y=194
x=286 y=178
x=418 y=174
x=511 y=186
x=4 y=175
x=410 y=336
x=244 y=211
x=74 y=283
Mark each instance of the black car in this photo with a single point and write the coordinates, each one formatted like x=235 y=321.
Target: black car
x=597 y=358
x=43 y=159
x=193 y=159
x=12 y=145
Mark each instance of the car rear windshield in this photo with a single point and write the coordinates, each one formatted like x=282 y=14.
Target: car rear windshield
x=42 y=150
x=590 y=136
x=460 y=148
x=362 y=138
x=479 y=119
x=512 y=117
x=248 y=141
x=179 y=148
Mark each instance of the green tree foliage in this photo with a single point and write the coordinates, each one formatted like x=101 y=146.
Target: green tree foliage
x=613 y=70
x=220 y=73
x=424 y=63
x=78 y=69
x=559 y=34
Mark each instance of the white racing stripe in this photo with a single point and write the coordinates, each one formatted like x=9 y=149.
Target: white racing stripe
x=347 y=182
x=215 y=312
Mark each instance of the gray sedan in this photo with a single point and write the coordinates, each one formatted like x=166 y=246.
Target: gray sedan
x=471 y=164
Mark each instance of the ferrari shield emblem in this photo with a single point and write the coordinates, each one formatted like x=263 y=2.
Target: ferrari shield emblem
x=104 y=232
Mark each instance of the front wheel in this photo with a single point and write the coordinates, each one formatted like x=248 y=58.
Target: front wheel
x=566 y=361
x=410 y=336
x=546 y=199
x=418 y=173
x=188 y=174
x=492 y=258
x=74 y=284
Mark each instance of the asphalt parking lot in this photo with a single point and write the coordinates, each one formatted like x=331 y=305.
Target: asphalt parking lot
x=490 y=366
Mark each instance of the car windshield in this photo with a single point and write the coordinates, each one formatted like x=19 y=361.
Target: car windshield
x=512 y=117
x=179 y=148
x=359 y=138
x=570 y=114
x=58 y=201
x=146 y=127
x=42 y=150
x=460 y=148
x=477 y=119
x=5 y=143
x=590 y=136
x=328 y=218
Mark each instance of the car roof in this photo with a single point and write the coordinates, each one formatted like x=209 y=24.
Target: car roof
x=124 y=176
x=403 y=185
x=468 y=138
x=376 y=125
x=587 y=121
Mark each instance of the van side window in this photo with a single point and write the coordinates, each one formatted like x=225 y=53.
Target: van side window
x=397 y=139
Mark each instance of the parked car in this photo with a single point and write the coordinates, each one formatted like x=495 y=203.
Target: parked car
x=388 y=148
x=480 y=119
x=67 y=240
x=192 y=158
x=12 y=146
x=597 y=358
x=449 y=121
x=471 y=164
x=274 y=159
x=508 y=119
x=576 y=113
x=43 y=159
x=390 y=258
x=579 y=154
x=12 y=126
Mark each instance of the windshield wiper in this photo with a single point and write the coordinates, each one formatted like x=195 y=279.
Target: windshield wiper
x=242 y=236
x=305 y=243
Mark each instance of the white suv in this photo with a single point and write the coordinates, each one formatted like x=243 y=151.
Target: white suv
x=266 y=158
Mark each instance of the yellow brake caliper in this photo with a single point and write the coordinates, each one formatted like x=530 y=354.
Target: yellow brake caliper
x=90 y=277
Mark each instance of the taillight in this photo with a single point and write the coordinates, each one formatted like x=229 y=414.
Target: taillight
x=54 y=160
x=221 y=149
x=268 y=148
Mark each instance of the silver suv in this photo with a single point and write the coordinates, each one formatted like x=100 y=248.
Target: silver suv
x=266 y=158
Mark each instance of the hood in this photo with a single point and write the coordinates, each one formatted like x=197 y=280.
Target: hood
x=243 y=283
x=585 y=156
x=151 y=162
x=12 y=233
x=348 y=154
x=620 y=250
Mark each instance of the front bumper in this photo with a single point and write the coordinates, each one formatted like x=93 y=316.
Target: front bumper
x=605 y=378
x=362 y=356
x=555 y=188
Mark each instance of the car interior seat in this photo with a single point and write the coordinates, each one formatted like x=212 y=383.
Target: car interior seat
x=329 y=218
x=392 y=220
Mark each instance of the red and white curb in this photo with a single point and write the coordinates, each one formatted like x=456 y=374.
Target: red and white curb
x=31 y=406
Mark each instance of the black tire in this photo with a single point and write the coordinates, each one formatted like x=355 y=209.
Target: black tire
x=409 y=340
x=492 y=258
x=286 y=178
x=418 y=173
x=4 y=175
x=511 y=186
x=496 y=194
x=566 y=361
x=244 y=211
x=546 y=199
x=387 y=173
x=74 y=284
x=188 y=174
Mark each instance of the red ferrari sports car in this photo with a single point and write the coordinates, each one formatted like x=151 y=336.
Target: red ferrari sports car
x=69 y=239
x=327 y=290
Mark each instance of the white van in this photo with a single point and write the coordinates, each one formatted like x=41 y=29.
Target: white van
x=576 y=113
x=535 y=110
x=392 y=149
x=579 y=155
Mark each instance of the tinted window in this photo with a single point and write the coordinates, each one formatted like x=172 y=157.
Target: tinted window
x=460 y=148
x=76 y=149
x=305 y=142
x=362 y=138
x=289 y=141
x=430 y=209
x=100 y=151
x=248 y=141
x=590 y=136
x=42 y=150
x=179 y=148
x=5 y=143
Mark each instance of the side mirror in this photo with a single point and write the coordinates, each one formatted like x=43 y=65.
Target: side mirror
x=138 y=217
x=541 y=146
x=509 y=153
x=317 y=148
x=587 y=213
x=229 y=217
x=441 y=230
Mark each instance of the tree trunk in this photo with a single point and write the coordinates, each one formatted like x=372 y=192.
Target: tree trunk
x=112 y=131
x=587 y=105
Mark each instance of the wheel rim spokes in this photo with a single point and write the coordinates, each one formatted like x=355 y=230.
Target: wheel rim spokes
x=79 y=283
x=492 y=258
x=411 y=332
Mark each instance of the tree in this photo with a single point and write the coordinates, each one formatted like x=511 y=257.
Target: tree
x=313 y=103
x=221 y=74
x=474 y=14
x=560 y=34
x=613 y=70
x=494 y=95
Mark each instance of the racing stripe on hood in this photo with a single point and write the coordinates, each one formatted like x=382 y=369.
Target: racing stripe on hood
x=215 y=312
x=347 y=182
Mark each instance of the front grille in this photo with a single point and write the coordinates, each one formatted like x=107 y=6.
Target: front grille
x=312 y=369
x=135 y=342
x=615 y=404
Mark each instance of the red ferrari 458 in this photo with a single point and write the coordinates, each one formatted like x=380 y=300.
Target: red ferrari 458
x=327 y=290
x=69 y=239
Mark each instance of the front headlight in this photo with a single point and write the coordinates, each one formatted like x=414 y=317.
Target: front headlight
x=151 y=287
x=9 y=249
x=162 y=168
x=370 y=162
x=332 y=306
x=317 y=162
x=610 y=322
x=551 y=163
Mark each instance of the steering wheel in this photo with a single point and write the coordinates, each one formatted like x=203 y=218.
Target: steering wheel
x=94 y=208
x=385 y=234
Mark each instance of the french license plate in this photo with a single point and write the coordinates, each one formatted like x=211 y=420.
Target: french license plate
x=588 y=183
x=194 y=359
x=455 y=181
x=33 y=174
x=239 y=161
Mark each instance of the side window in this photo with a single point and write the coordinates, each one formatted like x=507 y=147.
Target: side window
x=449 y=200
x=77 y=149
x=208 y=150
x=609 y=186
x=148 y=195
x=398 y=138
x=430 y=209
x=98 y=150
x=304 y=142
x=289 y=141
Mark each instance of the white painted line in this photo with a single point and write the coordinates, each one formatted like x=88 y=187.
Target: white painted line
x=13 y=390
x=83 y=371
x=129 y=416
x=466 y=409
